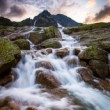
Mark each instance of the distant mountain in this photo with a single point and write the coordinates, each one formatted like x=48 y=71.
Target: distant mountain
x=5 y=22
x=65 y=21
x=44 y=19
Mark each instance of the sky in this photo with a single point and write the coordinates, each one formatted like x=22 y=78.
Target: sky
x=83 y=11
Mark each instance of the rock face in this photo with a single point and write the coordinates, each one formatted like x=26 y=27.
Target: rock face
x=62 y=52
x=94 y=53
x=9 y=55
x=86 y=74
x=45 y=64
x=22 y=44
x=50 y=32
x=44 y=19
x=50 y=43
x=65 y=21
x=47 y=79
x=100 y=69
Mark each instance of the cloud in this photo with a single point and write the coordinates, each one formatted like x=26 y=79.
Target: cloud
x=16 y=11
x=102 y=16
x=91 y=3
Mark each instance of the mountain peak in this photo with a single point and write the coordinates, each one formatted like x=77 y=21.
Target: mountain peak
x=45 y=13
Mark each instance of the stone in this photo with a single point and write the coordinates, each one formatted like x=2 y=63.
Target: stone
x=85 y=73
x=50 y=43
x=44 y=64
x=100 y=69
x=9 y=55
x=47 y=79
x=23 y=44
x=93 y=53
x=62 y=52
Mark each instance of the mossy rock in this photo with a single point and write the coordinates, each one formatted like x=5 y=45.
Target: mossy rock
x=105 y=45
x=52 y=32
x=50 y=43
x=99 y=68
x=67 y=31
x=49 y=32
x=94 y=53
x=9 y=55
x=23 y=44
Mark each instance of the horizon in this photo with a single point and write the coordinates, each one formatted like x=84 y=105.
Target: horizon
x=82 y=11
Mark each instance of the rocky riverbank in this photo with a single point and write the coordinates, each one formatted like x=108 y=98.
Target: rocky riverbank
x=55 y=61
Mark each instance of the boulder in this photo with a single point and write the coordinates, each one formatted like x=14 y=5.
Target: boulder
x=71 y=61
x=31 y=108
x=6 y=79
x=44 y=64
x=49 y=32
x=23 y=44
x=62 y=52
x=85 y=73
x=13 y=105
x=93 y=53
x=67 y=31
x=50 y=43
x=36 y=37
x=100 y=69
x=76 y=51
x=47 y=79
x=9 y=55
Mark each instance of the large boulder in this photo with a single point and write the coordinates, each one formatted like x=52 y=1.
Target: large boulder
x=23 y=44
x=36 y=37
x=93 y=53
x=50 y=43
x=62 y=52
x=85 y=73
x=50 y=32
x=100 y=69
x=47 y=79
x=9 y=55
x=44 y=64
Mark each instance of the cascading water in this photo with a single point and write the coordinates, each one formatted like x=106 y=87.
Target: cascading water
x=25 y=91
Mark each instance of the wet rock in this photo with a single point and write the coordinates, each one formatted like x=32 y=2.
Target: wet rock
x=71 y=61
x=44 y=64
x=36 y=37
x=67 y=31
x=6 y=79
x=86 y=74
x=50 y=32
x=23 y=44
x=31 y=108
x=9 y=55
x=62 y=52
x=49 y=50
x=5 y=108
x=13 y=105
x=76 y=51
x=47 y=79
x=100 y=69
x=93 y=53
x=1 y=102
x=83 y=63
x=50 y=43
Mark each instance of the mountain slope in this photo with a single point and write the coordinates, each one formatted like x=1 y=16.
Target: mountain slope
x=65 y=21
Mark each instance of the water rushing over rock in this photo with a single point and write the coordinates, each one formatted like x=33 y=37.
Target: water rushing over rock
x=78 y=95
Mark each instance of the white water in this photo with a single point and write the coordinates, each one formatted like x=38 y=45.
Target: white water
x=25 y=91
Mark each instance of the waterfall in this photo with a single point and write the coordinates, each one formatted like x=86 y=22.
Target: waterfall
x=25 y=90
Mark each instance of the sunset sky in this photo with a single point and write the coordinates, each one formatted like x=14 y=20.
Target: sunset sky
x=84 y=11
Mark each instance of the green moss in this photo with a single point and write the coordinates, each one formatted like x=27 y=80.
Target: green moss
x=51 y=32
x=22 y=44
x=7 y=51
